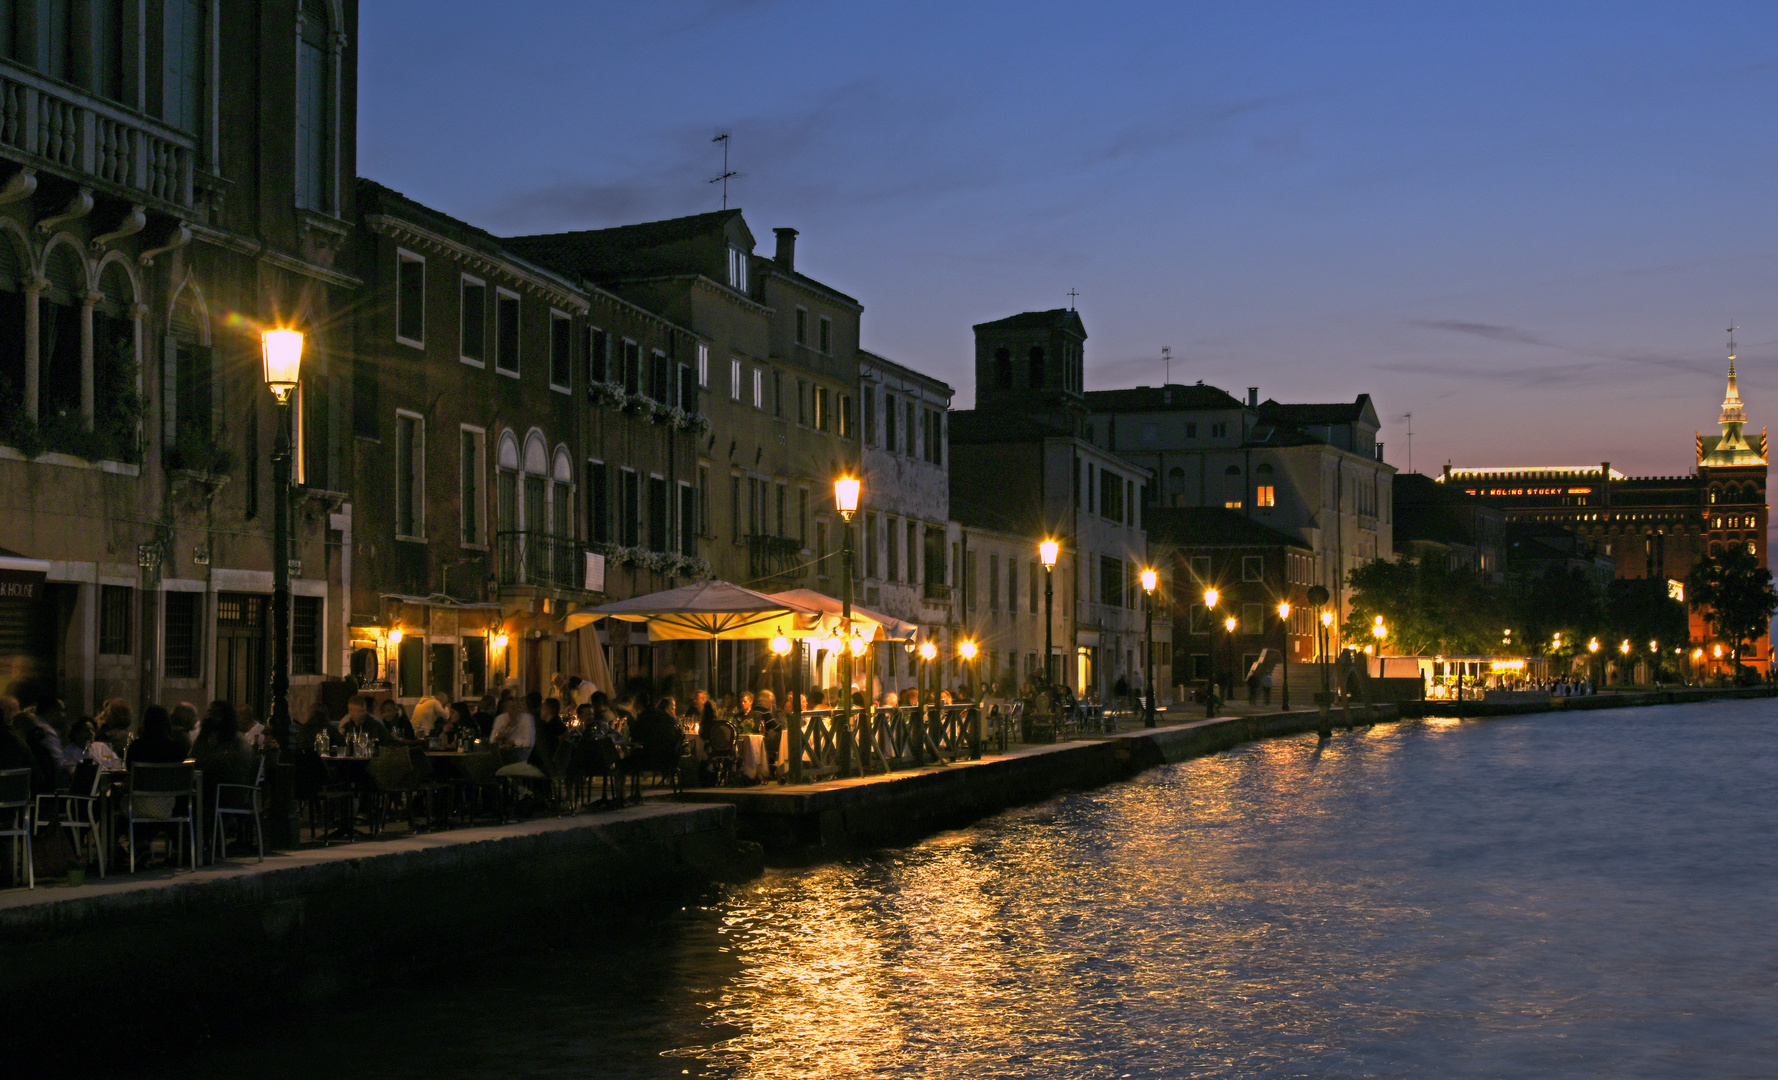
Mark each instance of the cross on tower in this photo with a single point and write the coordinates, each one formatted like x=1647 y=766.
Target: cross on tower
x=1072 y=293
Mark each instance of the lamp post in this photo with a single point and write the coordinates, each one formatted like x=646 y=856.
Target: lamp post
x=1228 y=641
x=1593 y=651
x=927 y=684
x=1047 y=552
x=282 y=352
x=1149 y=580
x=1210 y=598
x=845 y=499
x=1284 y=654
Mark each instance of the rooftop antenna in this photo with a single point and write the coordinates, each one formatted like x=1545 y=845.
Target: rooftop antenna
x=1072 y=293
x=1167 y=359
x=727 y=173
x=1409 y=417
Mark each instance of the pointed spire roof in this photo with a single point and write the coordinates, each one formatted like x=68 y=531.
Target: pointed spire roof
x=1731 y=447
x=1732 y=412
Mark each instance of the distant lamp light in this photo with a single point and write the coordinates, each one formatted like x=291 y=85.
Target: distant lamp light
x=500 y=641
x=282 y=351
x=1210 y=597
x=1719 y=652
x=1593 y=645
x=966 y=649
x=928 y=650
x=1625 y=647
x=395 y=636
x=1284 y=609
x=1047 y=552
x=1653 y=646
x=1229 y=624
x=780 y=645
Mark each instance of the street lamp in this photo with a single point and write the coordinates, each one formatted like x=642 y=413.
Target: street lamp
x=1592 y=648
x=1228 y=626
x=1047 y=551
x=845 y=500
x=1149 y=580
x=1284 y=662
x=780 y=646
x=1210 y=598
x=282 y=353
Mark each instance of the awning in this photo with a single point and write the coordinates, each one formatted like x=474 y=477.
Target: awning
x=878 y=627
x=710 y=610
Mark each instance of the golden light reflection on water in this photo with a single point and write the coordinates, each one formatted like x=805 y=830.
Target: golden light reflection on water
x=1224 y=917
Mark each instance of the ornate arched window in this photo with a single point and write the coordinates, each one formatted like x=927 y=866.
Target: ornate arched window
x=506 y=484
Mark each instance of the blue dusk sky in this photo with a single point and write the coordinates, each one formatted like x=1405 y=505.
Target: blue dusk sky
x=1528 y=224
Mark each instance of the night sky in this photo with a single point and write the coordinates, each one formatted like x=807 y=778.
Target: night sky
x=1527 y=224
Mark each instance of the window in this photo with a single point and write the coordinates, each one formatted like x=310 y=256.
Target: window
x=183 y=652
x=821 y=549
x=1253 y=619
x=410 y=299
x=993 y=583
x=506 y=339
x=734 y=378
x=688 y=390
x=759 y=388
x=629 y=508
x=632 y=373
x=889 y=422
x=305 y=635
x=737 y=269
x=182 y=65
x=1003 y=368
x=1036 y=358
x=703 y=364
x=1265 y=495
x=969 y=580
x=474 y=509
x=802 y=516
x=1012 y=585
x=1253 y=567
x=410 y=475
x=658 y=537
x=908 y=432
x=870 y=416
x=1191 y=431
x=598 y=502
x=848 y=426
x=778 y=394
x=783 y=509
x=826 y=336
x=560 y=334
x=114 y=620
x=660 y=377
x=1092 y=494
x=871 y=567
x=1219 y=431
x=1111 y=581
x=823 y=411
x=893 y=573
x=802 y=326
x=473 y=333
x=913 y=552
x=734 y=507
x=703 y=519
x=311 y=109
x=598 y=357
x=1111 y=495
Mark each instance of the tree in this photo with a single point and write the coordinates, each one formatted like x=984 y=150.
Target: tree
x=1426 y=608
x=1734 y=592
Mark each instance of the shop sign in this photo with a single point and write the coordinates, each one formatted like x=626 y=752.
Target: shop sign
x=21 y=584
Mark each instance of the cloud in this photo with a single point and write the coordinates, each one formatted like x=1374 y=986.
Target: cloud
x=1490 y=331
x=1138 y=140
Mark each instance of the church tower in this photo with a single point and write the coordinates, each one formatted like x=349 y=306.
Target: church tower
x=1031 y=365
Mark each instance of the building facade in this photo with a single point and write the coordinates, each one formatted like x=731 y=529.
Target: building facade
x=1649 y=527
x=174 y=177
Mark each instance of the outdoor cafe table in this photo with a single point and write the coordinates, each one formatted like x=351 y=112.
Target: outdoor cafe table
x=352 y=770
x=750 y=754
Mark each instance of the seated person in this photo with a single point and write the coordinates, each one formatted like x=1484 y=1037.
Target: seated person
x=429 y=713
x=359 y=721
x=221 y=750
x=551 y=730
x=84 y=745
x=515 y=732
x=316 y=725
x=156 y=745
x=394 y=718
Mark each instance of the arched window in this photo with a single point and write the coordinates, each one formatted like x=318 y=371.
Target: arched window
x=59 y=359
x=12 y=324
x=1037 y=373
x=506 y=484
x=1176 y=474
x=1265 y=470
x=562 y=495
x=1003 y=367
x=534 y=498
x=117 y=396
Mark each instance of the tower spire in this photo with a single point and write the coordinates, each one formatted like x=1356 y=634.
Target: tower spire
x=1732 y=411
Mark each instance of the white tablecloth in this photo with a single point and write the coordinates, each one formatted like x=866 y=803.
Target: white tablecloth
x=750 y=754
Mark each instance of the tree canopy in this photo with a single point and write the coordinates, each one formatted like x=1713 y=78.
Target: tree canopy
x=1734 y=592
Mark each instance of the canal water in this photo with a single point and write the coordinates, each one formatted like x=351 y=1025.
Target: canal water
x=1552 y=896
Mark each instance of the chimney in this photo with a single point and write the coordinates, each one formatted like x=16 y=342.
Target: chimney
x=786 y=256
x=1253 y=397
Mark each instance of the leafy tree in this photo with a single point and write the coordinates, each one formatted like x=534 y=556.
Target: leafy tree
x=1640 y=611
x=1734 y=592
x=1426 y=608
x=1563 y=600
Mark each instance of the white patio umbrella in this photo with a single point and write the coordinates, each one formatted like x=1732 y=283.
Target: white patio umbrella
x=713 y=610
x=875 y=625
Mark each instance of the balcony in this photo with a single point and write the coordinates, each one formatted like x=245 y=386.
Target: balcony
x=774 y=562
x=86 y=138
x=540 y=561
x=937 y=592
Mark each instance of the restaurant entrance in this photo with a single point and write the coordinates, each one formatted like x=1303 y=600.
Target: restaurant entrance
x=242 y=677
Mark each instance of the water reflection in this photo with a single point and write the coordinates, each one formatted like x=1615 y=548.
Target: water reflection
x=1550 y=896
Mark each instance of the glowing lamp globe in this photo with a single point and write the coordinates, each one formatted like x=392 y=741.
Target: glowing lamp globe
x=1047 y=551
x=1149 y=580
x=283 y=354
x=845 y=495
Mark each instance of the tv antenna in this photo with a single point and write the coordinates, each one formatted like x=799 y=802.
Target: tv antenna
x=1409 y=417
x=1167 y=360
x=727 y=173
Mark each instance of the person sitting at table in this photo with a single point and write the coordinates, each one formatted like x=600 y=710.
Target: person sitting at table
x=551 y=730
x=457 y=726
x=657 y=730
x=817 y=698
x=314 y=726
x=394 y=718
x=84 y=745
x=45 y=745
x=429 y=713
x=220 y=750
x=156 y=745
x=251 y=729
x=359 y=721
x=114 y=724
x=485 y=711
x=515 y=732
x=185 y=724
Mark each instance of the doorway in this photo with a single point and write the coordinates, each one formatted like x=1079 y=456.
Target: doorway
x=242 y=677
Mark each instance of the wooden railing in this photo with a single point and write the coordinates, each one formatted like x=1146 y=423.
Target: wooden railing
x=882 y=740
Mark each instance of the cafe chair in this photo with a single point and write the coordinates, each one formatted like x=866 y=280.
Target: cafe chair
x=477 y=784
x=722 y=753
x=16 y=808
x=325 y=802
x=660 y=758
x=396 y=779
x=162 y=795
x=77 y=810
x=237 y=801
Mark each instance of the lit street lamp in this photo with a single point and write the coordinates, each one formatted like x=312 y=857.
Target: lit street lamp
x=1284 y=654
x=1229 y=625
x=1047 y=552
x=1319 y=596
x=282 y=351
x=1592 y=648
x=1149 y=579
x=1210 y=598
x=845 y=500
